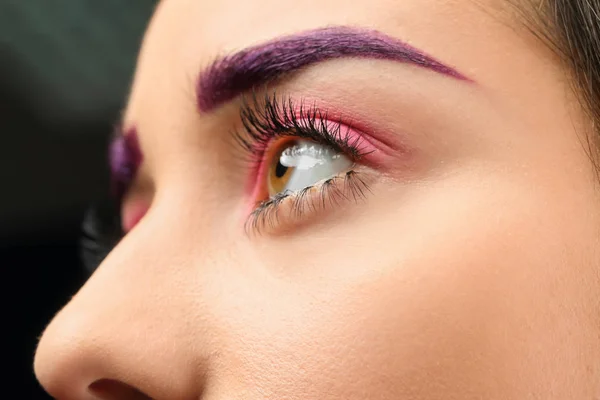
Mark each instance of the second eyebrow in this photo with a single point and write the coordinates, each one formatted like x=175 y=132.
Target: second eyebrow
x=233 y=75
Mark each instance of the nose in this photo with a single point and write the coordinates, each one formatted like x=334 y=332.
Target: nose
x=126 y=334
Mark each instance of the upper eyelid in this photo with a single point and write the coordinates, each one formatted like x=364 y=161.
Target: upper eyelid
x=377 y=142
x=274 y=112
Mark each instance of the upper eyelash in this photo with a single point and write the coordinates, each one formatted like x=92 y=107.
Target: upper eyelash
x=279 y=117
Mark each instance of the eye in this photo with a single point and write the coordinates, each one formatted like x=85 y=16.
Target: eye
x=299 y=164
x=302 y=163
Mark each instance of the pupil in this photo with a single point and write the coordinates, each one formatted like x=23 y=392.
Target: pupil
x=280 y=170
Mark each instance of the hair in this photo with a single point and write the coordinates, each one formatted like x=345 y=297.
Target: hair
x=572 y=29
x=577 y=27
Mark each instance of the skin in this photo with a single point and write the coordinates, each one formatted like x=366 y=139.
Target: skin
x=469 y=272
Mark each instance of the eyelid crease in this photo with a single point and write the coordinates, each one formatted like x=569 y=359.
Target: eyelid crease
x=370 y=144
x=276 y=115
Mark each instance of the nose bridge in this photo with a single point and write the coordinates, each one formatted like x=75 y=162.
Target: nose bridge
x=134 y=322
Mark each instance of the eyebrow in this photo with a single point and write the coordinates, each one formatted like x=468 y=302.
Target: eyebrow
x=229 y=76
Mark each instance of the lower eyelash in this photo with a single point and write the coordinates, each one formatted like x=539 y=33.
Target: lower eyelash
x=268 y=214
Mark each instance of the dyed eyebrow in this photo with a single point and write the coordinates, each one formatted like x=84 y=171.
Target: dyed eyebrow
x=232 y=75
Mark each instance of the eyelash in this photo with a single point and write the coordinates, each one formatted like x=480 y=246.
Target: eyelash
x=350 y=186
x=272 y=118
x=275 y=117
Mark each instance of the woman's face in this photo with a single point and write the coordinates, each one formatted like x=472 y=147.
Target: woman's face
x=447 y=246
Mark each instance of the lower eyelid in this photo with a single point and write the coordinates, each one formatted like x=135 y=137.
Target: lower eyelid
x=289 y=211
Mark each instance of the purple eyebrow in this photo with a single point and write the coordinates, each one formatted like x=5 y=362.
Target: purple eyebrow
x=235 y=74
x=125 y=158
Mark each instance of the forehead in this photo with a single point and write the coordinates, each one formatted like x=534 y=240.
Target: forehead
x=211 y=28
x=189 y=34
x=484 y=39
x=231 y=24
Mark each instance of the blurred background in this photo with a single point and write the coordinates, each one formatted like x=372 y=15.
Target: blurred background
x=65 y=70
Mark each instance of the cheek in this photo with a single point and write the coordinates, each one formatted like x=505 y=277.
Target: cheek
x=466 y=294
x=384 y=337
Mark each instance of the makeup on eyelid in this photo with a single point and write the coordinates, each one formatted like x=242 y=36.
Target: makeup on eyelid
x=372 y=151
x=283 y=124
x=381 y=142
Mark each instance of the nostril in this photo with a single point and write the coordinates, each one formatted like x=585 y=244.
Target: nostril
x=108 y=389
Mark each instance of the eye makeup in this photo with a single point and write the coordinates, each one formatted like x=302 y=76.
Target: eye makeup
x=279 y=131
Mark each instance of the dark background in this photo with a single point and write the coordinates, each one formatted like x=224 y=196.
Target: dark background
x=65 y=70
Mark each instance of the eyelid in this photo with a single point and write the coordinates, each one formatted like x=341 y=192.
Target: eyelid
x=300 y=208
x=387 y=144
x=370 y=149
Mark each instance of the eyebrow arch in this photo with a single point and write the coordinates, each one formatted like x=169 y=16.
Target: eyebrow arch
x=232 y=75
